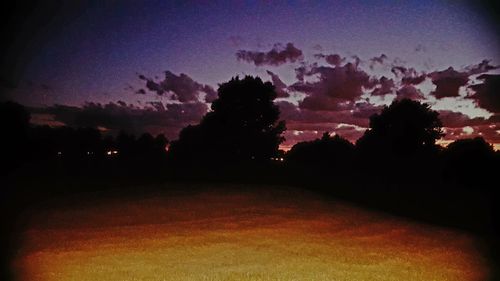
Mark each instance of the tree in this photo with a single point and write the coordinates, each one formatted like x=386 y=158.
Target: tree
x=470 y=161
x=403 y=129
x=327 y=153
x=241 y=126
x=14 y=124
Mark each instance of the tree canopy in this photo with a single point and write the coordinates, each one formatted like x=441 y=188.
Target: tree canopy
x=242 y=126
x=404 y=128
x=329 y=152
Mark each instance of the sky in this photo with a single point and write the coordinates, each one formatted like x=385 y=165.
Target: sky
x=155 y=65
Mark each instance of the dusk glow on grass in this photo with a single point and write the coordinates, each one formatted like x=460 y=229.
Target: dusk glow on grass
x=223 y=235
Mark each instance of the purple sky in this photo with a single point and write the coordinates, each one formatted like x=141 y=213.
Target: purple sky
x=96 y=53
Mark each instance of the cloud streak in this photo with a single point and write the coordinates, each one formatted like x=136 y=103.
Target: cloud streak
x=278 y=55
x=182 y=87
x=155 y=118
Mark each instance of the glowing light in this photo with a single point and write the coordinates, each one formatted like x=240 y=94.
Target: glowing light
x=111 y=152
x=468 y=130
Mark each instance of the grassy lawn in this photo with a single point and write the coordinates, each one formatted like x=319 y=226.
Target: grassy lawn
x=240 y=233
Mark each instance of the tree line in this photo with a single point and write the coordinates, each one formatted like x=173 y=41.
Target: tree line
x=241 y=135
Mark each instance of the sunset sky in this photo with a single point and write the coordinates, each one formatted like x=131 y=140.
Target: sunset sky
x=155 y=65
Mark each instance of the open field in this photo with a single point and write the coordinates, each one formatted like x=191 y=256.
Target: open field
x=222 y=233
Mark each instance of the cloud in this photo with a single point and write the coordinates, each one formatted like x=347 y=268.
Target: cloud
x=210 y=93
x=481 y=67
x=155 y=118
x=336 y=85
x=448 y=82
x=409 y=92
x=458 y=126
x=323 y=103
x=380 y=59
x=413 y=80
x=278 y=55
x=385 y=86
x=377 y=60
x=280 y=86
x=487 y=94
x=141 y=92
x=408 y=75
x=350 y=121
x=454 y=119
x=182 y=87
x=333 y=59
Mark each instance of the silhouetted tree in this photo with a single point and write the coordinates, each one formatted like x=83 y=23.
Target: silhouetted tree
x=242 y=126
x=334 y=154
x=470 y=161
x=401 y=140
x=14 y=127
x=404 y=128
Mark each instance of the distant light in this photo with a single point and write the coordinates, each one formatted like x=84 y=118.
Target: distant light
x=468 y=130
x=111 y=152
x=59 y=153
x=281 y=159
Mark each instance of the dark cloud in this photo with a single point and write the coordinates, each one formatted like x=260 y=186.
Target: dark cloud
x=456 y=123
x=323 y=103
x=183 y=87
x=280 y=86
x=141 y=92
x=487 y=94
x=357 y=60
x=154 y=118
x=304 y=124
x=303 y=70
x=481 y=67
x=380 y=59
x=385 y=86
x=377 y=60
x=278 y=55
x=409 y=92
x=448 y=82
x=453 y=119
x=333 y=59
x=336 y=85
x=354 y=114
x=408 y=75
x=413 y=80
x=365 y=110
x=210 y=93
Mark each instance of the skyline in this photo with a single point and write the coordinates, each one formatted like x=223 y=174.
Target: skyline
x=333 y=63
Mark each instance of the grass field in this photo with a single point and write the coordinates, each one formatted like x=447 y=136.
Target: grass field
x=235 y=234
